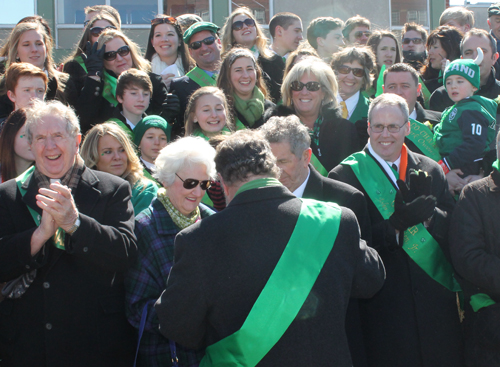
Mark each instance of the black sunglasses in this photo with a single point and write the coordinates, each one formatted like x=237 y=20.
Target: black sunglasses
x=360 y=34
x=96 y=31
x=416 y=41
x=207 y=41
x=167 y=20
x=122 y=51
x=238 y=25
x=310 y=86
x=344 y=69
x=191 y=183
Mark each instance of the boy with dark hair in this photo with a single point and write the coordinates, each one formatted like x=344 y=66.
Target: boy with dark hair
x=357 y=30
x=324 y=34
x=286 y=31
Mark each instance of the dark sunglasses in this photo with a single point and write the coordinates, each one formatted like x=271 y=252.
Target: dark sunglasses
x=344 y=69
x=238 y=25
x=168 y=20
x=207 y=41
x=191 y=183
x=360 y=34
x=310 y=86
x=122 y=51
x=96 y=31
x=416 y=41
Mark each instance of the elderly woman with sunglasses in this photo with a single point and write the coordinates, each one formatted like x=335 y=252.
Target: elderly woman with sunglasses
x=166 y=49
x=113 y=54
x=241 y=28
x=310 y=92
x=185 y=168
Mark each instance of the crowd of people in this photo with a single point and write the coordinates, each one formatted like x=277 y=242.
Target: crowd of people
x=324 y=197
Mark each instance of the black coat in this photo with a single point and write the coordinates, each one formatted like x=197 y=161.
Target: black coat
x=267 y=106
x=475 y=234
x=338 y=137
x=73 y=313
x=413 y=321
x=223 y=262
x=273 y=69
x=183 y=87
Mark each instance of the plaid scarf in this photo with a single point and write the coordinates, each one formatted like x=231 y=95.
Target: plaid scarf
x=70 y=178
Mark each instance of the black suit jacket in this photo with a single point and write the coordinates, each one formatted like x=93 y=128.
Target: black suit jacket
x=183 y=87
x=413 y=321
x=73 y=313
x=223 y=262
x=273 y=70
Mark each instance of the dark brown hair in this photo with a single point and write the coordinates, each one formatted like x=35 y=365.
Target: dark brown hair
x=12 y=125
x=450 y=39
x=133 y=77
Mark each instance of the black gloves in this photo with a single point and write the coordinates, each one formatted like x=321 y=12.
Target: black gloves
x=93 y=58
x=171 y=107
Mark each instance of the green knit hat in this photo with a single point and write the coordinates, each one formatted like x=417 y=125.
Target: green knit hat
x=466 y=68
x=147 y=123
x=198 y=27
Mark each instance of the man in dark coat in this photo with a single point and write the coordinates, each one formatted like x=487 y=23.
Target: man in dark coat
x=474 y=233
x=222 y=266
x=66 y=239
x=413 y=321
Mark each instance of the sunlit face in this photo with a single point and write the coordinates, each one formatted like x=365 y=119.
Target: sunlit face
x=453 y=23
x=165 y=41
x=135 y=100
x=54 y=150
x=403 y=84
x=22 y=148
x=412 y=46
x=333 y=41
x=121 y=63
x=388 y=145
x=348 y=83
x=307 y=102
x=27 y=90
x=494 y=24
x=103 y=23
x=386 y=52
x=459 y=88
x=359 y=35
x=210 y=114
x=152 y=142
x=31 y=48
x=112 y=156
x=470 y=52
x=247 y=35
x=436 y=54
x=184 y=200
x=294 y=169
x=206 y=55
x=291 y=37
x=243 y=76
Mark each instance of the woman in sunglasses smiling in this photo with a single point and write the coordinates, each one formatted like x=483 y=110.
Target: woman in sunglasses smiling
x=185 y=168
x=113 y=54
x=310 y=92
x=242 y=29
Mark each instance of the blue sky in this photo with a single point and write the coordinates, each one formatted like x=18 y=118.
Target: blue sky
x=12 y=11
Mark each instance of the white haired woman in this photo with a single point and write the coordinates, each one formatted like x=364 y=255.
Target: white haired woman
x=185 y=168
x=310 y=92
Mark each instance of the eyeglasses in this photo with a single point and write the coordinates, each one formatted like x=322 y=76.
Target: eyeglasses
x=344 y=69
x=207 y=41
x=360 y=34
x=122 y=51
x=416 y=41
x=191 y=183
x=167 y=20
x=96 y=31
x=310 y=86
x=238 y=25
x=391 y=128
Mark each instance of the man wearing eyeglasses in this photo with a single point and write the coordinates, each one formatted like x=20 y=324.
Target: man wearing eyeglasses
x=357 y=30
x=205 y=48
x=413 y=45
x=413 y=321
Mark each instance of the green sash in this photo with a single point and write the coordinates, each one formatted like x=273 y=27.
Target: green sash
x=361 y=110
x=426 y=95
x=58 y=239
x=317 y=164
x=286 y=290
x=109 y=89
x=380 y=82
x=200 y=77
x=418 y=242
x=123 y=126
x=480 y=300
x=423 y=138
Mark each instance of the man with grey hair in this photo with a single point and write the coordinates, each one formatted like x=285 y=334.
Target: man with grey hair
x=413 y=321
x=234 y=286
x=475 y=254
x=66 y=240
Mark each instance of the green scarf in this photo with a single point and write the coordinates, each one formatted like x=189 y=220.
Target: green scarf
x=201 y=134
x=253 y=109
x=182 y=221
x=258 y=183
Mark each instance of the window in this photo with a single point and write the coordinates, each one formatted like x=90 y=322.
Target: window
x=404 y=11
x=261 y=9
x=178 y=7
x=13 y=11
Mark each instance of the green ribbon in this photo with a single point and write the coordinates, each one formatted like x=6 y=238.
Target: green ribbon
x=258 y=183
x=200 y=77
x=286 y=290
x=418 y=242
x=317 y=164
x=426 y=94
x=480 y=300
x=109 y=89
x=423 y=138
x=123 y=126
x=380 y=82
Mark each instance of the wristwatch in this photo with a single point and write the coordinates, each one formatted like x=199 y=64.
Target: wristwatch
x=74 y=227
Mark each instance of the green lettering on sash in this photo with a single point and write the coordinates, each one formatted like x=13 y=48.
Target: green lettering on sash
x=423 y=138
x=418 y=242
x=200 y=77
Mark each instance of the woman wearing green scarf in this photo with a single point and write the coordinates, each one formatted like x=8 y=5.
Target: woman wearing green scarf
x=241 y=80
